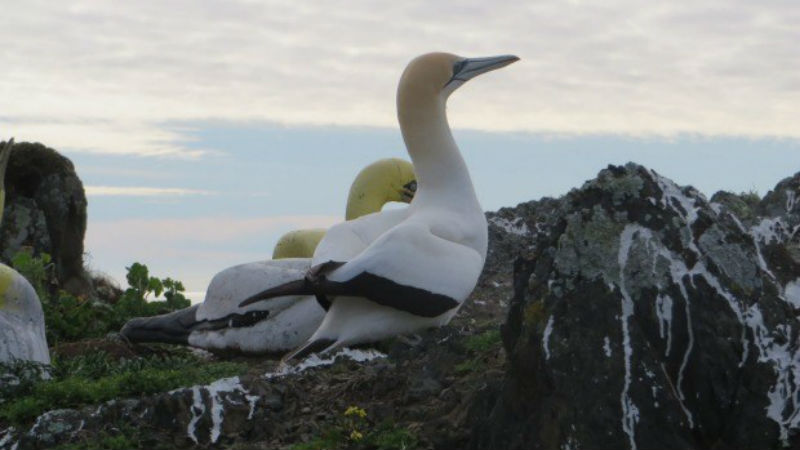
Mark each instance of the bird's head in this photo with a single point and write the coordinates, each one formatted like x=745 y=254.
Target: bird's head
x=437 y=75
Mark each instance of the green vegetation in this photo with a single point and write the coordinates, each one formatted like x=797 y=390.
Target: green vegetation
x=96 y=377
x=354 y=430
x=488 y=340
x=69 y=318
x=103 y=440
x=478 y=345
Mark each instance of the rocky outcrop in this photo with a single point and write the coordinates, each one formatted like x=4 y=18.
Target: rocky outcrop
x=646 y=317
x=46 y=210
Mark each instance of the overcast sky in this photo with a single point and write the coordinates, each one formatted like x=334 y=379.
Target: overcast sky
x=203 y=130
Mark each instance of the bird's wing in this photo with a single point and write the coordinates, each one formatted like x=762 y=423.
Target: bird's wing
x=411 y=269
x=346 y=240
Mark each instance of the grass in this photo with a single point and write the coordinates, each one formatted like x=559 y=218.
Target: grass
x=355 y=430
x=96 y=378
x=481 y=343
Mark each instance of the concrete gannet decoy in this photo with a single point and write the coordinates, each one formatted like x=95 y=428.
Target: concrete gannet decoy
x=219 y=323
x=22 y=333
x=396 y=272
x=386 y=180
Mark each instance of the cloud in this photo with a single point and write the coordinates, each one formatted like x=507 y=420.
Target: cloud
x=141 y=191
x=98 y=77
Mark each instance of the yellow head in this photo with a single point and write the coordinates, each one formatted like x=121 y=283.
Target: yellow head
x=386 y=180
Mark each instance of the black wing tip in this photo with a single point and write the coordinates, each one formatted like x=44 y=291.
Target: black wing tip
x=250 y=300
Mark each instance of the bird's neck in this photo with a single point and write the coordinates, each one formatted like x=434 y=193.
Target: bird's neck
x=438 y=164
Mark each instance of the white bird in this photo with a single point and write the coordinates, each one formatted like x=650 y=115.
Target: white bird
x=400 y=271
x=22 y=333
x=220 y=324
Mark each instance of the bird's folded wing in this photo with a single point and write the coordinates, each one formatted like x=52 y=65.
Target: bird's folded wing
x=344 y=241
x=414 y=266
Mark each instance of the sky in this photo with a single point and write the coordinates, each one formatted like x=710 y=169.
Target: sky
x=203 y=130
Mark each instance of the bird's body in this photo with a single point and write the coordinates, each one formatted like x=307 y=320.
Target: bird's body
x=396 y=272
x=22 y=331
x=220 y=324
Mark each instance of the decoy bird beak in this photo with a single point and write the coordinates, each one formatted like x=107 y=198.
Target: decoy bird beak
x=469 y=68
x=408 y=191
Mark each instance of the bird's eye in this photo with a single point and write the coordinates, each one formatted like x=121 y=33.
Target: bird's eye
x=459 y=66
x=412 y=186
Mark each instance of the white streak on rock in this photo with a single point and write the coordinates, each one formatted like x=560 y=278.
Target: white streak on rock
x=784 y=397
x=198 y=409
x=548 y=329
x=607 y=347
x=791 y=293
x=630 y=413
x=664 y=313
x=517 y=227
x=791 y=200
x=8 y=435
x=216 y=391
x=315 y=361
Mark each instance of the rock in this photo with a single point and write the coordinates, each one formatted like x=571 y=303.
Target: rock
x=46 y=210
x=645 y=317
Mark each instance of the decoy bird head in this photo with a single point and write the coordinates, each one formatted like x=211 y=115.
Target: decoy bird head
x=437 y=75
x=385 y=180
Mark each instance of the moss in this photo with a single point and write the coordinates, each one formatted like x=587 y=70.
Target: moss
x=534 y=313
x=482 y=342
x=389 y=436
x=469 y=366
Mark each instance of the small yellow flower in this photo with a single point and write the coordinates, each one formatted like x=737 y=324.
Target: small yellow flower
x=356 y=435
x=355 y=411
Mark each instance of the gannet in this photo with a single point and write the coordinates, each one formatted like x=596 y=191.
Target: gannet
x=22 y=334
x=400 y=271
x=220 y=324
x=386 y=180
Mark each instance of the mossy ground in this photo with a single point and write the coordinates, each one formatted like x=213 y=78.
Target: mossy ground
x=96 y=377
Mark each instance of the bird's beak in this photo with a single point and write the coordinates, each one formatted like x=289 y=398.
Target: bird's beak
x=5 y=153
x=408 y=191
x=469 y=68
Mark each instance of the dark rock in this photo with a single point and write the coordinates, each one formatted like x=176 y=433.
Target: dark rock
x=645 y=317
x=46 y=210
